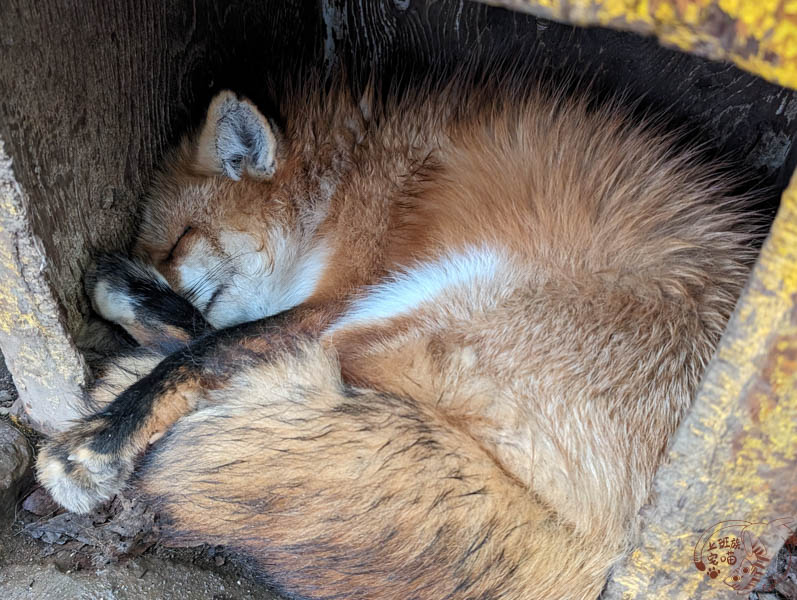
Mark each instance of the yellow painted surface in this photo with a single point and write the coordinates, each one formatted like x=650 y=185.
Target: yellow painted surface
x=758 y=35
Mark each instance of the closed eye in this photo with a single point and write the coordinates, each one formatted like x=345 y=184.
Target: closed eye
x=214 y=297
x=177 y=243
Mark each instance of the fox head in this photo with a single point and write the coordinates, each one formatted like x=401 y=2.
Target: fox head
x=231 y=222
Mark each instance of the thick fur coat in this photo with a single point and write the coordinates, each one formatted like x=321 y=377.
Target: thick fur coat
x=428 y=344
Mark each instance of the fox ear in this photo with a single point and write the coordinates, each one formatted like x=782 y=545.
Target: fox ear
x=236 y=140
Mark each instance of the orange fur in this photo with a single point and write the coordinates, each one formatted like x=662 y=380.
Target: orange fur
x=503 y=300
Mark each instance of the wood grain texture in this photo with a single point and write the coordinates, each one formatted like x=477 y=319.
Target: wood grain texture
x=91 y=95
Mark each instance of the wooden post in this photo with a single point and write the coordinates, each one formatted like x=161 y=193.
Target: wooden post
x=48 y=370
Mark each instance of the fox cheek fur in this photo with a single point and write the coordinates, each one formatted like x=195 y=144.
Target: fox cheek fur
x=428 y=345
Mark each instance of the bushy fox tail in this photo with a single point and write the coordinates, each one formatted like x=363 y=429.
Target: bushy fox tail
x=338 y=492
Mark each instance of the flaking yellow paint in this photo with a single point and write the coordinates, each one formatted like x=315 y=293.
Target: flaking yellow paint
x=765 y=40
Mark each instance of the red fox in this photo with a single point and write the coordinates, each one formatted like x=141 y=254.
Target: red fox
x=422 y=344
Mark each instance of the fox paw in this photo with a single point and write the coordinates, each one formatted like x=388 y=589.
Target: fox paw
x=136 y=297
x=77 y=477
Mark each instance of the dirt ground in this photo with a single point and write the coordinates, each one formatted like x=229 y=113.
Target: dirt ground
x=34 y=570
x=114 y=554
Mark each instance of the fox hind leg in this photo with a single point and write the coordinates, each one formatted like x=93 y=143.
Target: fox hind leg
x=90 y=462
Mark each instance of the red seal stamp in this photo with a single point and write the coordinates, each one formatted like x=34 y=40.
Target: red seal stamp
x=736 y=553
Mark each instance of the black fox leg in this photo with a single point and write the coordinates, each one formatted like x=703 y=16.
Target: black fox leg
x=88 y=463
x=138 y=298
x=116 y=375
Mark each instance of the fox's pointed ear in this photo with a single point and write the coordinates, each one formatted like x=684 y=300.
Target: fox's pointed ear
x=236 y=140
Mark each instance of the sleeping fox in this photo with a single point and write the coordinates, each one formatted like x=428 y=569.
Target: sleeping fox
x=428 y=343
